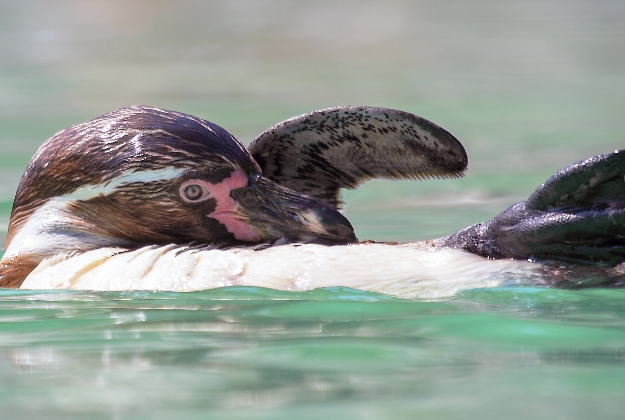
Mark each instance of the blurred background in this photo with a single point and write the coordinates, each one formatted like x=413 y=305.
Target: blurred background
x=528 y=87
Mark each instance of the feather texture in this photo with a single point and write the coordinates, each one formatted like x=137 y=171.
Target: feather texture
x=320 y=153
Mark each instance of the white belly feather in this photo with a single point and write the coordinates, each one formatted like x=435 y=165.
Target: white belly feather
x=399 y=270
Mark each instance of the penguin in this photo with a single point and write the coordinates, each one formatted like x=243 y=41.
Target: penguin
x=144 y=176
x=168 y=201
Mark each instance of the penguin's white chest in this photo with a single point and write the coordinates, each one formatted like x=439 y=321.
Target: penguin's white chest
x=398 y=270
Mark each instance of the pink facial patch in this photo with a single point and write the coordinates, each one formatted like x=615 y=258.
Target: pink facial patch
x=226 y=210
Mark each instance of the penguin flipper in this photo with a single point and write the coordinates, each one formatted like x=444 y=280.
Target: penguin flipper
x=577 y=215
x=594 y=180
x=324 y=151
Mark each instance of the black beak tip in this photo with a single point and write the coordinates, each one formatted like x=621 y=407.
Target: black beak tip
x=335 y=224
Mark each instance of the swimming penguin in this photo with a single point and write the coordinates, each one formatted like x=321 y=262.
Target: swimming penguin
x=142 y=187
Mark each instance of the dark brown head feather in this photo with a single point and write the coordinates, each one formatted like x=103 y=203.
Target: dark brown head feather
x=138 y=137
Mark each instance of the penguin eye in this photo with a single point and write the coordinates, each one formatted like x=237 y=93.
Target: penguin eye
x=193 y=191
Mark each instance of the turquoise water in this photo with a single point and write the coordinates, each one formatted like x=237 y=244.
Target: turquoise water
x=528 y=88
x=513 y=353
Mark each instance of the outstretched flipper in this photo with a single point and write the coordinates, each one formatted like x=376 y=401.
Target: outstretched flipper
x=319 y=153
x=577 y=215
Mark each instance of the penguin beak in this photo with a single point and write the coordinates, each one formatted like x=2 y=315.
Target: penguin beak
x=278 y=213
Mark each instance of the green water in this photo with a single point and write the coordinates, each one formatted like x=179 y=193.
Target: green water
x=528 y=87
x=506 y=353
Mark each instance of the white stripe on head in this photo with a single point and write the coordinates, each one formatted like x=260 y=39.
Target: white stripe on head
x=130 y=176
x=47 y=229
x=39 y=236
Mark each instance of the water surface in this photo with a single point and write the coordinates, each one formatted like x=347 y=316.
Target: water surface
x=238 y=353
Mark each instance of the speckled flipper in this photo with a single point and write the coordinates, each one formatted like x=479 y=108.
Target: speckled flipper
x=321 y=152
x=578 y=215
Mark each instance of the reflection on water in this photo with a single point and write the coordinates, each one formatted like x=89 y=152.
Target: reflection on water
x=528 y=88
x=231 y=352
